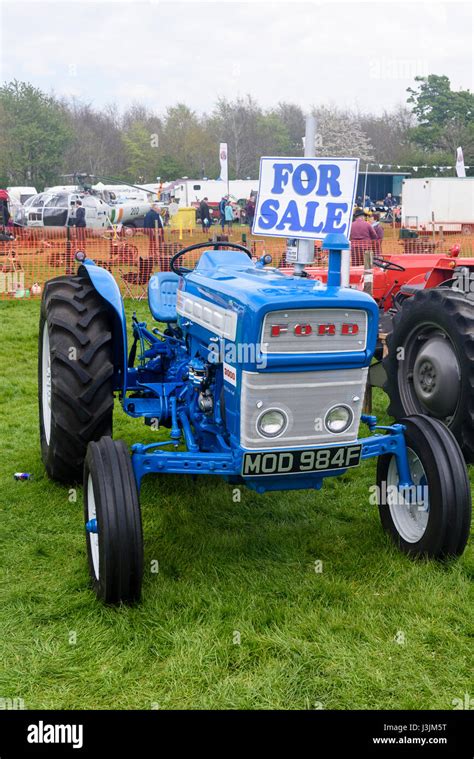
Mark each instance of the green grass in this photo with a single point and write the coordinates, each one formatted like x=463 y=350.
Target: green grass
x=307 y=639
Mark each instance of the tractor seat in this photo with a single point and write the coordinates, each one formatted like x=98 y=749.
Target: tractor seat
x=162 y=289
x=412 y=289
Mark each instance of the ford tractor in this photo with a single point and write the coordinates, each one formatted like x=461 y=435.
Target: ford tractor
x=426 y=335
x=257 y=376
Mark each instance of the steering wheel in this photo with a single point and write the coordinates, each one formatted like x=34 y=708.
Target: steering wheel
x=216 y=245
x=383 y=263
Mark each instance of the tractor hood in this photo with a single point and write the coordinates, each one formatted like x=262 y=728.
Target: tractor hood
x=229 y=297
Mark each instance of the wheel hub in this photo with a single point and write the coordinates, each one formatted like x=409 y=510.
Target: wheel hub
x=437 y=378
x=409 y=507
x=427 y=377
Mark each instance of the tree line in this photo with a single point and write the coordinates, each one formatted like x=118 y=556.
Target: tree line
x=43 y=137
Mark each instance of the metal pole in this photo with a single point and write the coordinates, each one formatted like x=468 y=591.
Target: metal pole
x=345 y=267
x=365 y=184
x=305 y=253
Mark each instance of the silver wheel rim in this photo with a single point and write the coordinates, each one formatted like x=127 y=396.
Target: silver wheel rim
x=46 y=384
x=409 y=509
x=93 y=536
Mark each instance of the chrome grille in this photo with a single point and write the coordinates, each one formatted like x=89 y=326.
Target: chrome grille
x=305 y=398
x=287 y=323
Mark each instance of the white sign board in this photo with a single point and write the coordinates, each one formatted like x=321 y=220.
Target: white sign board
x=307 y=198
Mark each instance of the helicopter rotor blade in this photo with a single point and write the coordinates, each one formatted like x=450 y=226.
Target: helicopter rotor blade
x=79 y=177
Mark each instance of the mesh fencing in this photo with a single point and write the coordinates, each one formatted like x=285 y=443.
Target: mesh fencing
x=36 y=255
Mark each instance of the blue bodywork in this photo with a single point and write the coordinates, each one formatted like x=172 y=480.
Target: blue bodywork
x=177 y=380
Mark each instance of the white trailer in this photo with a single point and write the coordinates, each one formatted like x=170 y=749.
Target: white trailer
x=191 y=191
x=434 y=202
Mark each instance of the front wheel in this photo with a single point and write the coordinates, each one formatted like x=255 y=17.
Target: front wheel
x=432 y=517
x=113 y=522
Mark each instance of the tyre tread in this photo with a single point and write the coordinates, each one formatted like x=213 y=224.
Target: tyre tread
x=82 y=388
x=461 y=311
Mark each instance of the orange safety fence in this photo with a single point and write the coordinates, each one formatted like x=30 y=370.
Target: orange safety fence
x=36 y=255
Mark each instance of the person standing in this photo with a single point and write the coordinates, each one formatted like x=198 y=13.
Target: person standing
x=222 y=206
x=229 y=216
x=80 y=224
x=205 y=214
x=153 y=227
x=4 y=211
x=379 y=231
x=152 y=218
x=250 y=212
x=72 y=214
x=363 y=237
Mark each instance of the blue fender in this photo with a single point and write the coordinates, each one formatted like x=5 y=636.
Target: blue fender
x=107 y=287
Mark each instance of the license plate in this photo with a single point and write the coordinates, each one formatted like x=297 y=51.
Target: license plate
x=309 y=461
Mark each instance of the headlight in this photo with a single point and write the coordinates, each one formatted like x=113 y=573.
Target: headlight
x=271 y=423
x=338 y=418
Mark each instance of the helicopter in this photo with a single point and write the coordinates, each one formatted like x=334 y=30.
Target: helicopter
x=106 y=205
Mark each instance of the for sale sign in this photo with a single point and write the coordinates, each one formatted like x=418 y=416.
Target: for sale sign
x=306 y=198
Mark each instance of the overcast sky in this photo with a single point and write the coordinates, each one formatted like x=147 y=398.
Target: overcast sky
x=361 y=55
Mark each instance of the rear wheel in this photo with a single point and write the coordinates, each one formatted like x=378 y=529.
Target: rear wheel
x=430 y=362
x=75 y=371
x=431 y=518
x=113 y=522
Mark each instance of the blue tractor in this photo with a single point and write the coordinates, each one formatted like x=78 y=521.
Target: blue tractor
x=259 y=378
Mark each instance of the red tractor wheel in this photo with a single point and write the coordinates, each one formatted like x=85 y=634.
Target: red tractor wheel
x=430 y=362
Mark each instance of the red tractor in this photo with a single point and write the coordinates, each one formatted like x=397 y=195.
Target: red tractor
x=426 y=352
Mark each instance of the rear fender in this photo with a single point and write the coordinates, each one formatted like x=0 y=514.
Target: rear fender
x=108 y=289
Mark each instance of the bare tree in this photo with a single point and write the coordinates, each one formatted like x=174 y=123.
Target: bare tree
x=340 y=134
x=97 y=145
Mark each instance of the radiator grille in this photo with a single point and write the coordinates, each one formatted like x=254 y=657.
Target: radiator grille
x=305 y=398
x=330 y=330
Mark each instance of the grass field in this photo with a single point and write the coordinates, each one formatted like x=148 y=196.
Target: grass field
x=237 y=616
